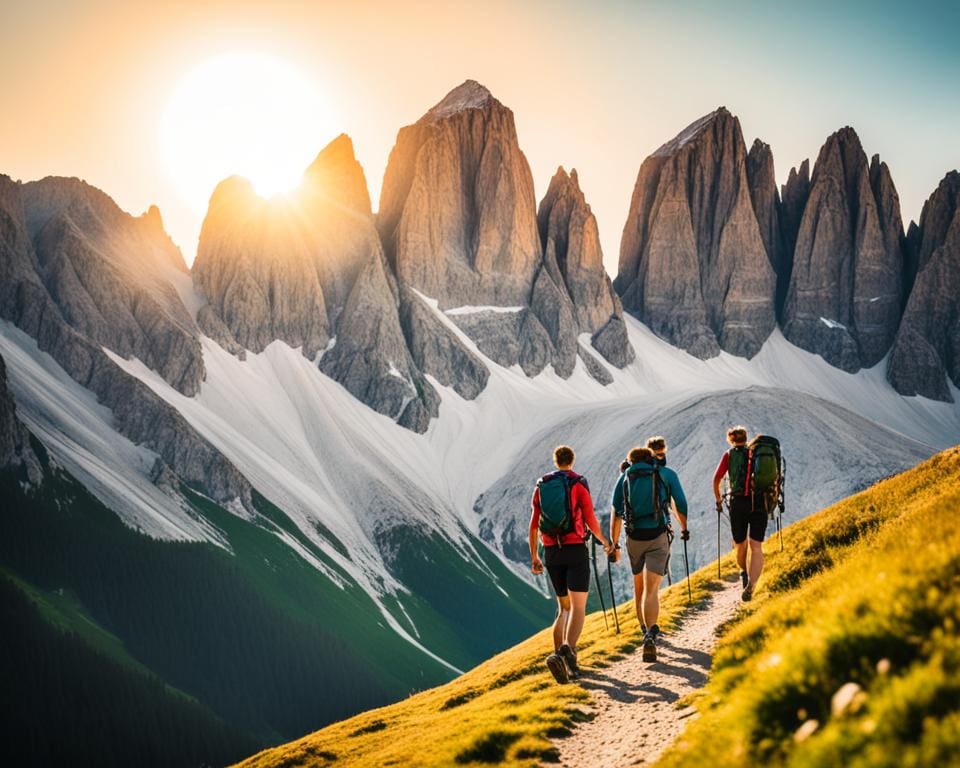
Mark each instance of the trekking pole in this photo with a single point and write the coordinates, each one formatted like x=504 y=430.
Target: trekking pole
x=719 y=507
x=686 y=564
x=596 y=578
x=783 y=482
x=613 y=598
x=669 y=552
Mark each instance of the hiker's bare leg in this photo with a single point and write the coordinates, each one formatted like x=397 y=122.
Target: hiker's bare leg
x=638 y=598
x=651 y=597
x=756 y=560
x=578 y=610
x=741 y=549
x=560 y=625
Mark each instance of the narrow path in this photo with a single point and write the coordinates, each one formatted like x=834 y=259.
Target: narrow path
x=634 y=703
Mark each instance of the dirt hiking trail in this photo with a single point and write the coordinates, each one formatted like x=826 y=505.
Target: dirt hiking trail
x=634 y=703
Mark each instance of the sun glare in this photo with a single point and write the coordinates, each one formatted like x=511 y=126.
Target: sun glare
x=253 y=115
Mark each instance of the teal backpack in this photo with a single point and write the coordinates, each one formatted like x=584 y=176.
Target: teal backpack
x=556 y=508
x=645 y=498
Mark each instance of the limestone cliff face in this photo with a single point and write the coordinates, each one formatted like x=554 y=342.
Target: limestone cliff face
x=571 y=245
x=459 y=226
x=793 y=199
x=766 y=205
x=926 y=351
x=845 y=289
x=310 y=271
x=693 y=265
x=78 y=274
x=457 y=211
x=108 y=274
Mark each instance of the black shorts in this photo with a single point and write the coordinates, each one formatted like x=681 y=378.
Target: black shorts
x=568 y=567
x=743 y=515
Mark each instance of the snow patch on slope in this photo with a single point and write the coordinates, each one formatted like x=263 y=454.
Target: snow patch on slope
x=80 y=435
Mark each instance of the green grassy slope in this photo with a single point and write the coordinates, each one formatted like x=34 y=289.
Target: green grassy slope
x=865 y=592
x=257 y=637
x=868 y=594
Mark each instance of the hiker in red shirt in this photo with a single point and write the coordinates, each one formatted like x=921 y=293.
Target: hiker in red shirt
x=745 y=514
x=562 y=514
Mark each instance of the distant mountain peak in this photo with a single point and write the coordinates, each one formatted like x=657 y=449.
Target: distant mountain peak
x=692 y=131
x=468 y=95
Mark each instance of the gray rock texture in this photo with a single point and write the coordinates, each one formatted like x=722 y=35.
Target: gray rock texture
x=572 y=255
x=926 y=351
x=107 y=273
x=793 y=199
x=766 y=205
x=309 y=270
x=693 y=265
x=437 y=351
x=79 y=275
x=15 y=450
x=845 y=291
x=457 y=210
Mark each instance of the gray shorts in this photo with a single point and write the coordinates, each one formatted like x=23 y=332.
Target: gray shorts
x=653 y=554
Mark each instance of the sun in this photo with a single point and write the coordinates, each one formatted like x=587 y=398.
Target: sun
x=248 y=114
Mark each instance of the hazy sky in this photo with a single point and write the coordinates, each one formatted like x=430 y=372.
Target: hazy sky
x=595 y=86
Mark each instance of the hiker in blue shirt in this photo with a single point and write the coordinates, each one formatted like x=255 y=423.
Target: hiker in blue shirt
x=645 y=507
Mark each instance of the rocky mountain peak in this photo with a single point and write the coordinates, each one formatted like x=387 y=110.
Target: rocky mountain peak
x=574 y=260
x=693 y=265
x=694 y=130
x=851 y=232
x=337 y=175
x=457 y=211
x=926 y=351
x=468 y=95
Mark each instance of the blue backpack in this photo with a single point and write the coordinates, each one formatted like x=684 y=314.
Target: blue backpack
x=645 y=498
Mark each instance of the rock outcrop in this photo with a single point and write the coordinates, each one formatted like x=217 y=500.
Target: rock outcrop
x=309 y=270
x=107 y=273
x=845 y=290
x=793 y=199
x=78 y=274
x=459 y=225
x=457 y=211
x=571 y=246
x=693 y=265
x=766 y=205
x=926 y=351
x=15 y=450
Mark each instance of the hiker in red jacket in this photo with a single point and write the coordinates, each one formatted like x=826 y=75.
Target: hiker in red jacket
x=562 y=514
x=745 y=515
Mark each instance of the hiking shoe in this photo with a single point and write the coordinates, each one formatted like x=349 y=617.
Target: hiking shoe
x=650 y=643
x=744 y=579
x=747 y=593
x=570 y=658
x=558 y=668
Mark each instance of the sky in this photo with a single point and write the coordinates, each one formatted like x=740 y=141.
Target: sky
x=87 y=87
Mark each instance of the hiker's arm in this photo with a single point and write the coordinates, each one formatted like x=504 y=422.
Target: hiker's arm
x=589 y=516
x=535 y=565
x=679 y=501
x=616 y=509
x=718 y=475
x=615 y=534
